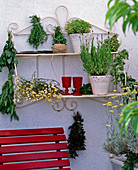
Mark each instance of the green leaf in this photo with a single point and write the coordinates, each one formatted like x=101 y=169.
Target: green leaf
x=9 y=60
x=135 y=124
x=8 y=53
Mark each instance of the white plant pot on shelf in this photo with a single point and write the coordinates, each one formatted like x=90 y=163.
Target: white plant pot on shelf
x=77 y=38
x=100 y=84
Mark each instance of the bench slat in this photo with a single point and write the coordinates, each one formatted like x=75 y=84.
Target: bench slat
x=33 y=165
x=33 y=156
x=61 y=169
x=29 y=139
x=40 y=131
x=31 y=148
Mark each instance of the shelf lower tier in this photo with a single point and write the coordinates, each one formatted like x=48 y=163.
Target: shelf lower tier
x=93 y=95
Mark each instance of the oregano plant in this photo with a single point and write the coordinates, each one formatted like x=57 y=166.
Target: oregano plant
x=8 y=60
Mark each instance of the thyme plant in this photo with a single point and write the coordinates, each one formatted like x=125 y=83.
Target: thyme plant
x=78 y=26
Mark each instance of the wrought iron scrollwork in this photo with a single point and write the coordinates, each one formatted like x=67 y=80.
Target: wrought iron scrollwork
x=64 y=103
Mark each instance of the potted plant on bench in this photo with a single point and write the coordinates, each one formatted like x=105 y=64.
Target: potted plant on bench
x=97 y=65
x=77 y=30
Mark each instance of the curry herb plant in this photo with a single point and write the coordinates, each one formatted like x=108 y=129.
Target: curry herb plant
x=118 y=66
x=58 y=37
x=76 y=140
x=8 y=60
x=38 y=35
x=113 y=43
x=78 y=26
x=98 y=62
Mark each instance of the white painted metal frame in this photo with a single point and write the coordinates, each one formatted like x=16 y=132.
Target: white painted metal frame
x=13 y=27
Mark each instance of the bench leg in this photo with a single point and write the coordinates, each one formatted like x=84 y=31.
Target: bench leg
x=0 y=155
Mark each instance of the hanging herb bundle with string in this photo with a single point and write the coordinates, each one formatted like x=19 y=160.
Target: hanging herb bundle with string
x=76 y=140
x=38 y=35
x=8 y=60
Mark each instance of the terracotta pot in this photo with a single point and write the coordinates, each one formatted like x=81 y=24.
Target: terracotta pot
x=59 y=48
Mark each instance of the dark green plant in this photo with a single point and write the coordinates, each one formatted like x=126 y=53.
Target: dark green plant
x=98 y=62
x=38 y=35
x=131 y=159
x=121 y=9
x=113 y=43
x=78 y=26
x=76 y=140
x=58 y=37
x=86 y=89
x=8 y=60
x=7 y=105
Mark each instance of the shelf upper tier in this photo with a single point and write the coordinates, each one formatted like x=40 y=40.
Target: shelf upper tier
x=47 y=55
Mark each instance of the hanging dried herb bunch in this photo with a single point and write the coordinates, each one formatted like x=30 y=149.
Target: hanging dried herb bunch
x=8 y=60
x=38 y=35
x=76 y=140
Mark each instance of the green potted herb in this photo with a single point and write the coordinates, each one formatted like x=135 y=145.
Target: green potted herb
x=97 y=64
x=59 y=41
x=113 y=43
x=78 y=30
x=38 y=35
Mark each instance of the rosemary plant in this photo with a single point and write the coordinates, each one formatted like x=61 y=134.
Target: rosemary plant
x=98 y=62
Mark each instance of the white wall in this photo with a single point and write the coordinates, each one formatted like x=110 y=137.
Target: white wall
x=41 y=114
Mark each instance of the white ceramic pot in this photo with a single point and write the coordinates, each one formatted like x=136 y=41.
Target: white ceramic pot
x=100 y=84
x=77 y=38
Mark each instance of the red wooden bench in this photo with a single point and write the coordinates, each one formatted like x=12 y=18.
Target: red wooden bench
x=27 y=146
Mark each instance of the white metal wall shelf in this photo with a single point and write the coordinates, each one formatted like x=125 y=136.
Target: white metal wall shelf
x=69 y=101
x=13 y=27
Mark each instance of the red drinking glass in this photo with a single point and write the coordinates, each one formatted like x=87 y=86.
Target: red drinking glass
x=77 y=83
x=66 y=83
